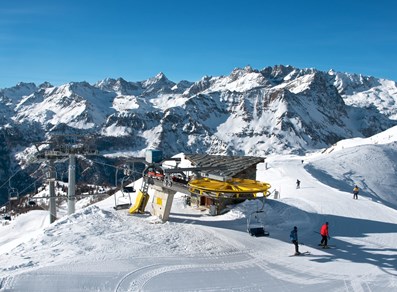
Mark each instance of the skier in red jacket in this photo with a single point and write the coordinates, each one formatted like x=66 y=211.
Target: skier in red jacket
x=324 y=235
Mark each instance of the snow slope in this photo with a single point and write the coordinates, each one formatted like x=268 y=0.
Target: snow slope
x=365 y=155
x=100 y=249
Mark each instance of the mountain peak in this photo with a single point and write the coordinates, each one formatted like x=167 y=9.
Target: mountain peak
x=240 y=72
x=160 y=76
x=158 y=83
x=16 y=92
x=45 y=85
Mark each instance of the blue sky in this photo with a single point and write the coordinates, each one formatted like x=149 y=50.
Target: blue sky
x=85 y=40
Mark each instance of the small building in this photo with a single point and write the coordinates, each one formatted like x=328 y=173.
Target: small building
x=222 y=168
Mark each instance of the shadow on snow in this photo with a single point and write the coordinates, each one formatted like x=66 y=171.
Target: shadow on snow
x=359 y=229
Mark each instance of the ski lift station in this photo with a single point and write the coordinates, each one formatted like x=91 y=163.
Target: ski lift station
x=212 y=182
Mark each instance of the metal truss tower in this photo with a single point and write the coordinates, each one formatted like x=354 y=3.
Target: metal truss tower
x=63 y=147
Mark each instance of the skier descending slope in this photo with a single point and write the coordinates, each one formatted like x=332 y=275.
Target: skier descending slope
x=294 y=239
x=324 y=235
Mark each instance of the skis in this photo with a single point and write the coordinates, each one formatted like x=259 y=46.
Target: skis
x=301 y=254
x=327 y=246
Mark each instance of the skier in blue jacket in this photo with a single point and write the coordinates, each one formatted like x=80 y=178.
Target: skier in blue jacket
x=294 y=239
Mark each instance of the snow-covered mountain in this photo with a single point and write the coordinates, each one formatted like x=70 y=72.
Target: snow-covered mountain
x=278 y=109
x=365 y=91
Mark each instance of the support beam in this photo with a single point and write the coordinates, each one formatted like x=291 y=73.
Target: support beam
x=72 y=184
x=51 y=186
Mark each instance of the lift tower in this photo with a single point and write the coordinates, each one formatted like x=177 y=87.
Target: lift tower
x=63 y=147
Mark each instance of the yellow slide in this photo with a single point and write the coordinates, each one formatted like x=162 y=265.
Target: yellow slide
x=140 y=203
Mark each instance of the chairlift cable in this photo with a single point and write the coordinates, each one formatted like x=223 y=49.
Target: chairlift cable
x=33 y=183
x=9 y=179
x=118 y=167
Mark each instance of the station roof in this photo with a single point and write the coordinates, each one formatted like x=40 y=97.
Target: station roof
x=227 y=166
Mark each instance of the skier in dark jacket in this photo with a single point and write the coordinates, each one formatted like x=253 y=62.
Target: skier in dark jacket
x=298 y=183
x=324 y=235
x=294 y=239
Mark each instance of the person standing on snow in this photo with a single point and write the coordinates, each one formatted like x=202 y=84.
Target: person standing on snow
x=355 y=192
x=294 y=239
x=324 y=235
x=298 y=183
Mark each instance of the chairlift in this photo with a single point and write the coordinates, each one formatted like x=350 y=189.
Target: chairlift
x=122 y=201
x=13 y=194
x=129 y=173
x=129 y=189
x=257 y=228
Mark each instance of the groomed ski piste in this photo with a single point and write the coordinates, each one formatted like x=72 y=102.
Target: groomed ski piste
x=101 y=249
